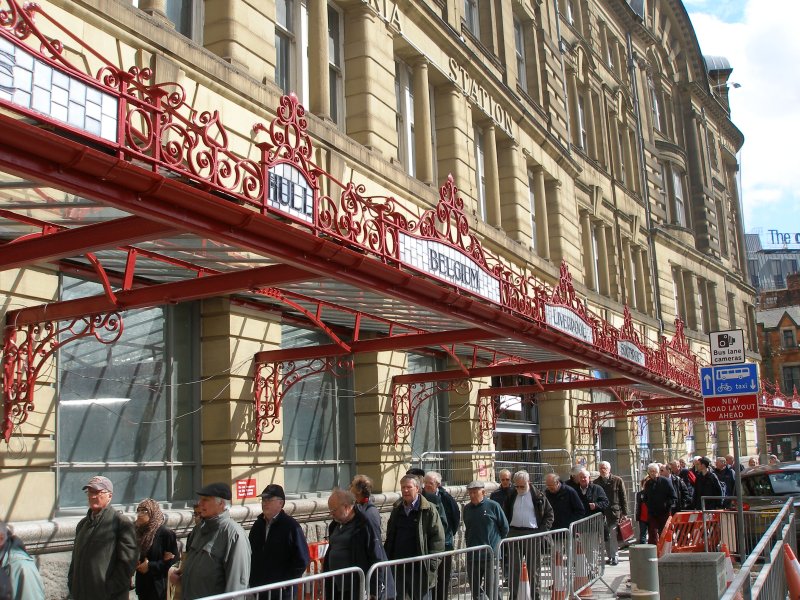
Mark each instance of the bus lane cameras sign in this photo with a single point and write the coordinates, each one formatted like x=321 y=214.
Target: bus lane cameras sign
x=727 y=347
x=730 y=393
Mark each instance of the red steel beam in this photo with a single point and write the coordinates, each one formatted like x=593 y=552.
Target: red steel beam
x=397 y=342
x=646 y=403
x=554 y=387
x=505 y=369
x=165 y=293
x=80 y=240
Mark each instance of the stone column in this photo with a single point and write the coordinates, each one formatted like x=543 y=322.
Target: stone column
x=453 y=134
x=318 y=64
x=540 y=202
x=641 y=280
x=423 y=136
x=231 y=335
x=602 y=259
x=514 y=194
x=588 y=251
x=491 y=175
x=555 y=421
x=376 y=453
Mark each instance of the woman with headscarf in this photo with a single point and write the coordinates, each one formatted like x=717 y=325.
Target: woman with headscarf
x=158 y=550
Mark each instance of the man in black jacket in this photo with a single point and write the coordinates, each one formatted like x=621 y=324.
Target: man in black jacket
x=706 y=484
x=352 y=543
x=660 y=497
x=567 y=505
x=279 y=550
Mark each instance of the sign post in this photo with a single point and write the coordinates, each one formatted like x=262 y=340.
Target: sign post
x=730 y=393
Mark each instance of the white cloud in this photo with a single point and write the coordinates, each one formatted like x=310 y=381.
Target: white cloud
x=764 y=51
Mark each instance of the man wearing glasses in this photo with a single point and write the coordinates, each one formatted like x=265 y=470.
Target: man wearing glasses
x=105 y=551
x=528 y=512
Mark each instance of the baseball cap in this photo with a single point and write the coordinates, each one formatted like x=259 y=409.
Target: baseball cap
x=273 y=490
x=100 y=484
x=476 y=485
x=217 y=490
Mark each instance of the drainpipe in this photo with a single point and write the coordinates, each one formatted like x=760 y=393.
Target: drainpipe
x=645 y=191
x=564 y=74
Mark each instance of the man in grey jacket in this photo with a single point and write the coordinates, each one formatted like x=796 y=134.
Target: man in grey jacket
x=218 y=553
x=105 y=551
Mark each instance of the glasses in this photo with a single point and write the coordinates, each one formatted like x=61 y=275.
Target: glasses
x=143 y=510
x=93 y=493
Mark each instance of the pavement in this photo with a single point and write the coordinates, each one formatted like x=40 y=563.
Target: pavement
x=615 y=582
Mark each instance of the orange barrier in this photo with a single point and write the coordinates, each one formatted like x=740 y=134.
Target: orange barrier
x=792 y=569
x=684 y=531
x=316 y=552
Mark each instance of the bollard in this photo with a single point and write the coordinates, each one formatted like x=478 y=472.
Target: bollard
x=644 y=572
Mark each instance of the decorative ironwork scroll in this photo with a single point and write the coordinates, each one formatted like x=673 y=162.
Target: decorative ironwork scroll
x=272 y=381
x=407 y=398
x=27 y=349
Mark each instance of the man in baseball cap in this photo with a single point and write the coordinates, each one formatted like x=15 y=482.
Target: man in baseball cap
x=227 y=569
x=278 y=545
x=105 y=552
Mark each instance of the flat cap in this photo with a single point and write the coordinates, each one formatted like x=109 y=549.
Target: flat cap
x=99 y=484
x=273 y=490
x=217 y=490
x=476 y=485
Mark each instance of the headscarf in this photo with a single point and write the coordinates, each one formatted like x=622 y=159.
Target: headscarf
x=146 y=533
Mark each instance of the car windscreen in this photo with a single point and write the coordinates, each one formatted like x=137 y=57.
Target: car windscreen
x=773 y=484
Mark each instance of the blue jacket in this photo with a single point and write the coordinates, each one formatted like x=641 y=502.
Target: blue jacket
x=26 y=583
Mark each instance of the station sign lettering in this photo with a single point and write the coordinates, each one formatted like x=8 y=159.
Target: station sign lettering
x=290 y=193
x=569 y=322
x=448 y=264
x=630 y=351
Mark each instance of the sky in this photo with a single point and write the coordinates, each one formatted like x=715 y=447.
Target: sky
x=761 y=41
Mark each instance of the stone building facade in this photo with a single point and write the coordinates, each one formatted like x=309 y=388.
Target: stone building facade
x=585 y=146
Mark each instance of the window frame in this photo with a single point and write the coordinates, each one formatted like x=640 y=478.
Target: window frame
x=480 y=170
x=472 y=17
x=404 y=119
x=336 y=74
x=519 y=51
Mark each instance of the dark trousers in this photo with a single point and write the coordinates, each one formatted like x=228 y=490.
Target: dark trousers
x=528 y=550
x=443 y=573
x=655 y=524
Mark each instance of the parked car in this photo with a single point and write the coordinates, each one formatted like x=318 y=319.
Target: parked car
x=777 y=480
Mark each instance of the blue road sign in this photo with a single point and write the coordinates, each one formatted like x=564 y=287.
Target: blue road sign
x=729 y=380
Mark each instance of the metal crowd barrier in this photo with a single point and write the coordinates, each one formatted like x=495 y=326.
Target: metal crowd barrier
x=762 y=575
x=545 y=557
x=756 y=522
x=587 y=553
x=343 y=584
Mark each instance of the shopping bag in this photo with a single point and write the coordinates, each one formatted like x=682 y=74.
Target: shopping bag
x=624 y=529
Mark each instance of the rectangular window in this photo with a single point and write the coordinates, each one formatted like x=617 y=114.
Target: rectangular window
x=596 y=258
x=186 y=15
x=472 y=17
x=791 y=379
x=679 y=218
x=582 y=134
x=731 y=311
x=318 y=423
x=655 y=105
x=623 y=174
x=788 y=338
x=519 y=46
x=284 y=41
x=404 y=93
x=430 y=422
x=532 y=206
x=776 y=272
x=128 y=409
x=480 y=173
x=570 y=8
x=335 y=64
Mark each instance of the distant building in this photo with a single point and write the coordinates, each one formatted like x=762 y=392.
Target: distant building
x=771 y=256
x=778 y=334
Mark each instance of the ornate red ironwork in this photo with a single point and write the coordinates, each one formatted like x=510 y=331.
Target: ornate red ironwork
x=272 y=381
x=27 y=349
x=160 y=128
x=407 y=398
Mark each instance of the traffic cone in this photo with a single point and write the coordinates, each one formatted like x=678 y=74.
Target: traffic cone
x=524 y=589
x=792 y=569
x=581 y=577
x=559 y=590
x=729 y=574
